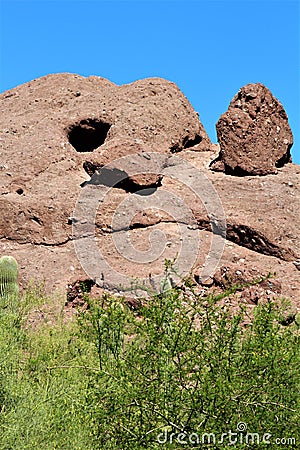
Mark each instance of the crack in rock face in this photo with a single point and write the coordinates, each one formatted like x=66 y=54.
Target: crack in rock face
x=254 y=134
x=60 y=132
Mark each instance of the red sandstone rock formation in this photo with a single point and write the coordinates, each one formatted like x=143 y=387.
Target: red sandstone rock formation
x=254 y=135
x=59 y=131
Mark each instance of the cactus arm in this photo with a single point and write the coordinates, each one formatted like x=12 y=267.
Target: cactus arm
x=9 y=288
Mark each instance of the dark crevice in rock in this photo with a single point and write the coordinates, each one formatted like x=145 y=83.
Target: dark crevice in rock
x=24 y=241
x=54 y=244
x=137 y=226
x=36 y=220
x=117 y=178
x=186 y=143
x=247 y=237
x=134 y=226
x=237 y=171
x=241 y=235
x=218 y=165
x=285 y=159
x=88 y=134
x=176 y=148
x=252 y=239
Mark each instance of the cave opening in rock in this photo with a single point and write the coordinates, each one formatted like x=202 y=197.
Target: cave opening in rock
x=116 y=178
x=186 y=143
x=236 y=171
x=88 y=134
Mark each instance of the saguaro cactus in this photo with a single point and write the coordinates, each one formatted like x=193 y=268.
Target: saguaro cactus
x=9 y=288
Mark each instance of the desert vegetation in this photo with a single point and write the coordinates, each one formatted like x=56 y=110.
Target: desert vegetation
x=177 y=367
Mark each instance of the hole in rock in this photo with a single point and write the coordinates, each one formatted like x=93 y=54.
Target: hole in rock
x=237 y=171
x=285 y=158
x=119 y=179
x=36 y=220
x=186 y=143
x=88 y=134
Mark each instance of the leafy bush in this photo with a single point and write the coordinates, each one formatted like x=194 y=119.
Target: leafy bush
x=186 y=367
x=117 y=379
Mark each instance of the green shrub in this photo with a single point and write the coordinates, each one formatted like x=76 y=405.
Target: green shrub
x=118 y=379
x=190 y=368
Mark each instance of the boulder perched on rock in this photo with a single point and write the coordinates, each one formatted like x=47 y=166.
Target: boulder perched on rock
x=254 y=135
x=67 y=164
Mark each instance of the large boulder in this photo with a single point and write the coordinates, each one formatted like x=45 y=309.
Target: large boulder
x=57 y=134
x=58 y=129
x=254 y=135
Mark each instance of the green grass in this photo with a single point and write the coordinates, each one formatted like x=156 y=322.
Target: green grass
x=115 y=379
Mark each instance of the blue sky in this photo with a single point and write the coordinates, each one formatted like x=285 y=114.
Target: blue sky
x=209 y=48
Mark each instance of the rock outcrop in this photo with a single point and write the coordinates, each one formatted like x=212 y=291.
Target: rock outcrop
x=254 y=135
x=58 y=133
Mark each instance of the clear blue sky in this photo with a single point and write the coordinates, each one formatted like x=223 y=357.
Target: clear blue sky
x=209 y=48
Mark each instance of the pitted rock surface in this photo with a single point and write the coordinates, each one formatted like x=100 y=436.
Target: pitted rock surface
x=59 y=131
x=57 y=128
x=254 y=135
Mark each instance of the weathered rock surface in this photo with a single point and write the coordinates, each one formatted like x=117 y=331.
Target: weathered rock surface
x=254 y=135
x=59 y=131
x=57 y=127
